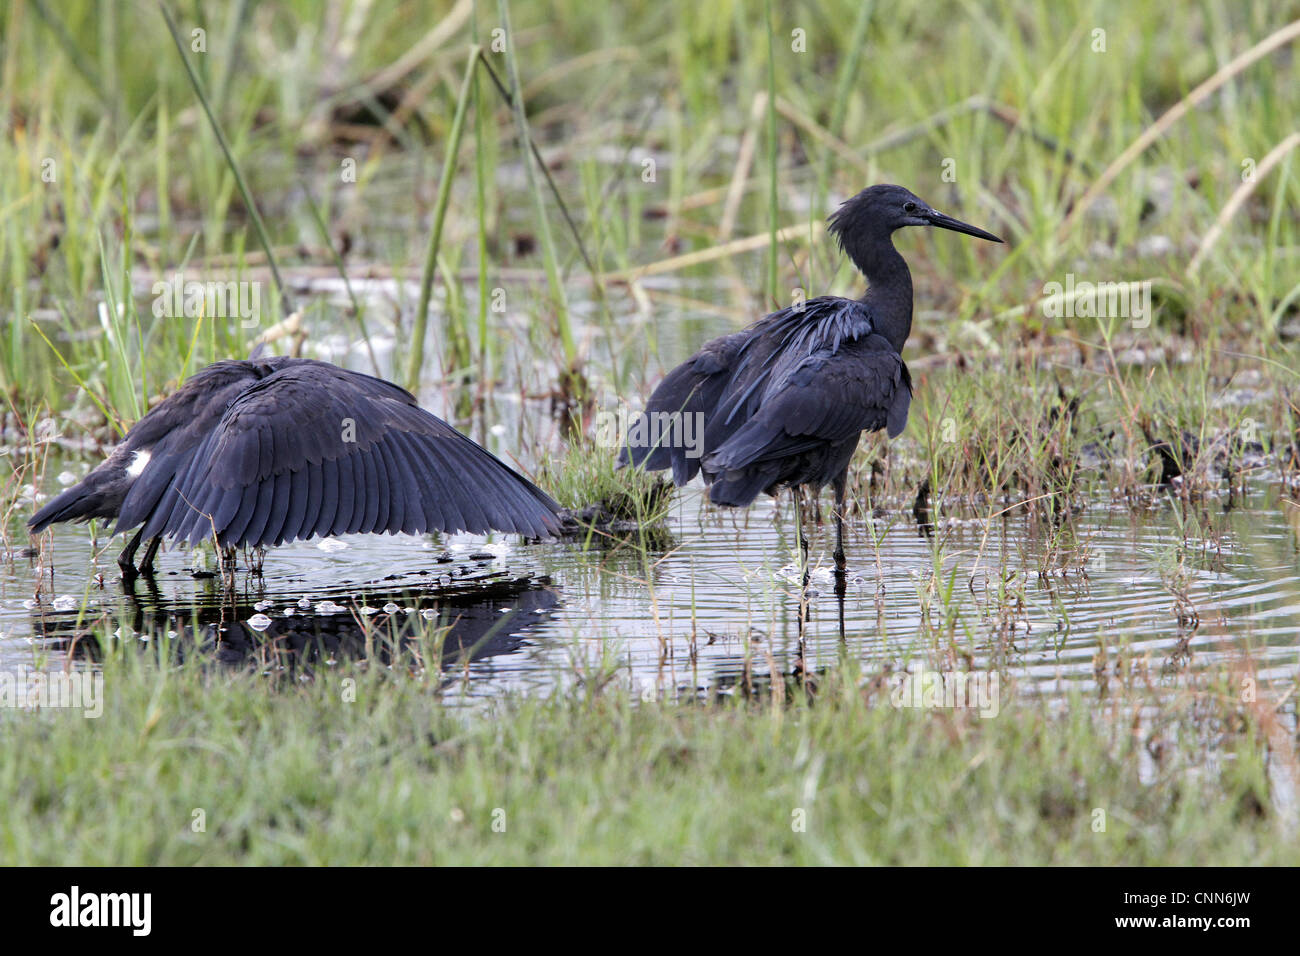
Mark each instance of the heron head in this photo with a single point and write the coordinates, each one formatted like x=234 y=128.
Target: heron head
x=882 y=209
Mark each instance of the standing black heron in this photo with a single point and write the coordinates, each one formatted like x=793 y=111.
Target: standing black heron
x=784 y=402
x=269 y=450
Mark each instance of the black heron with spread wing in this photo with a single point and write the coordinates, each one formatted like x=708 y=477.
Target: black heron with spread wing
x=270 y=450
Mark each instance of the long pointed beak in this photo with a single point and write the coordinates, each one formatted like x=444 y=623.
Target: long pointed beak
x=956 y=225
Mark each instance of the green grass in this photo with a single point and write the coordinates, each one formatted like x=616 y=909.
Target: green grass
x=327 y=773
x=882 y=95
x=590 y=474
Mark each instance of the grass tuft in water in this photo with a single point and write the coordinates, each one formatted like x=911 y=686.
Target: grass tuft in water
x=608 y=501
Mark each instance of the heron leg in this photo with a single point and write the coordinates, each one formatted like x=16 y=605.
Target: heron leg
x=840 y=588
x=840 y=485
x=800 y=668
x=126 y=560
x=798 y=530
x=146 y=563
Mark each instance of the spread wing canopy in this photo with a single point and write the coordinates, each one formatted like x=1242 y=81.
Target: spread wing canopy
x=313 y=449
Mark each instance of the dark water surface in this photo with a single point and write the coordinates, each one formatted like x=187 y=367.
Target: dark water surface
x=721 y=604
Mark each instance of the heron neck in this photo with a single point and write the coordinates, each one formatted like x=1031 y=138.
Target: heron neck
x=889 y=290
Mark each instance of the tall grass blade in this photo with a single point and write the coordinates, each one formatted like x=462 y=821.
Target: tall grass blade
x=553 y=277
x=357 y=308
x=286 y=303
x=416 y=358
x=773 y=210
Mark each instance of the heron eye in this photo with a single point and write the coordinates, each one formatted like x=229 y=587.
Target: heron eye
x=909 y=207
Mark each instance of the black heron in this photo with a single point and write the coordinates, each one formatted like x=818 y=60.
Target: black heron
x=270 y=450
x=784 y=402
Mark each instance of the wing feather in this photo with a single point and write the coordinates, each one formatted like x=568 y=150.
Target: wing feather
x=314 y=449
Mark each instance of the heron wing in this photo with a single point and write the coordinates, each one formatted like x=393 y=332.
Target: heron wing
x=723 y=383
x=819 y=399
x=376 y=459
x=174 y=429
x=694 y=389
x=777 y=344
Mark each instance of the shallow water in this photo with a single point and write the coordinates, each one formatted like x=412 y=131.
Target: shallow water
x=723 y=605
x=1047 y=606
